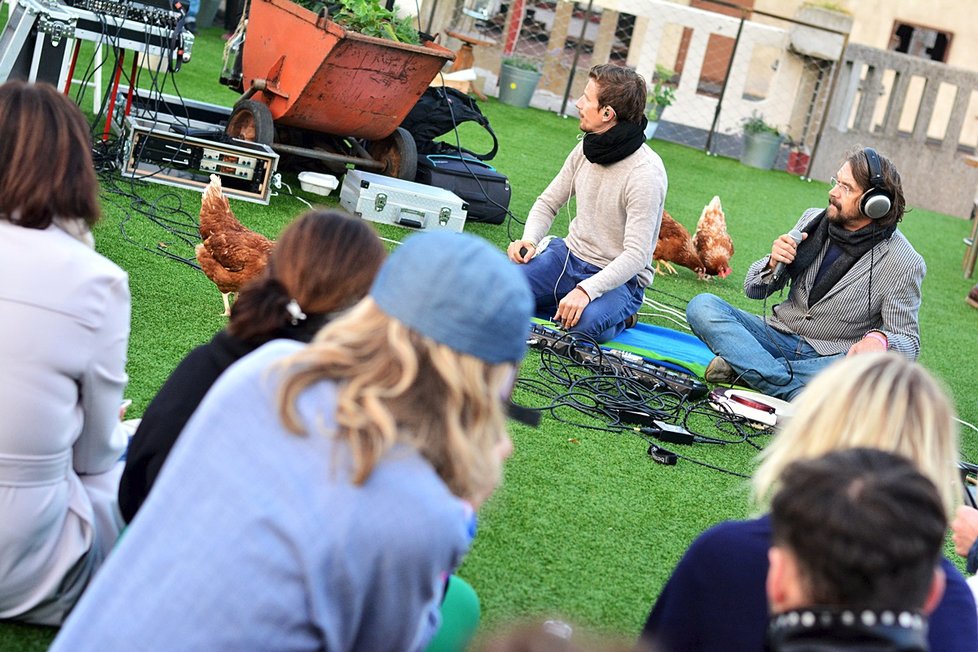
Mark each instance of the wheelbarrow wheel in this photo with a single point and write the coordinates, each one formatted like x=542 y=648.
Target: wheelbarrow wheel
x=398 y=152
x=252 y=121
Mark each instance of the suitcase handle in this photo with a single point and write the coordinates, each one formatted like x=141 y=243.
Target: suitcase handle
x=467 y=161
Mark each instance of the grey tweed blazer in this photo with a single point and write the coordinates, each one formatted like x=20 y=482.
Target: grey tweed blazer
x=881 y=292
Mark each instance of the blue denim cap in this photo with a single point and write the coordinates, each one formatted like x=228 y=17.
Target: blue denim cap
x=460 y=291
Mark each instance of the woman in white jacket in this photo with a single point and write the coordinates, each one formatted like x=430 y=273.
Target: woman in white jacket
x=64 y=328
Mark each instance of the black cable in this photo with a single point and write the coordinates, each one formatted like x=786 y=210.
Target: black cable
x=178 y=227
x=712 y=467
x=594 y=388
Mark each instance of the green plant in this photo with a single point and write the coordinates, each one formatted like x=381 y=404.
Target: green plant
x=755 y=124
x=661 y=94
x=367 y=17
x=659 y=99
x=522 y=63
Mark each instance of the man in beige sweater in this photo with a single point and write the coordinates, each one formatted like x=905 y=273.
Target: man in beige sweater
x=593 y=281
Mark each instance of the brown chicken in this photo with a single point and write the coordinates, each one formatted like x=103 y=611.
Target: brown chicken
x=712 y=241
x=675 y=245
x=230 y=255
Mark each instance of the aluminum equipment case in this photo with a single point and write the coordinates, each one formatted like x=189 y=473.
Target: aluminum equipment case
x=403 y=203
x=155 y=152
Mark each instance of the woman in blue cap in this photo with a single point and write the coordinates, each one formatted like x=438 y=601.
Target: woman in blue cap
x=321 y=493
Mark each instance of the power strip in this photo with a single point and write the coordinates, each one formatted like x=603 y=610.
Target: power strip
x=622 y=363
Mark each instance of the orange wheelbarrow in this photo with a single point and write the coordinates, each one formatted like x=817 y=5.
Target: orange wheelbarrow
x=314 y=90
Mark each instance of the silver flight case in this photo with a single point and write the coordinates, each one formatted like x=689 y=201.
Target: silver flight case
x=403 y=203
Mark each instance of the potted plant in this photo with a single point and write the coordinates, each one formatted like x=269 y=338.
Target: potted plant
x=761 y=142
x=658 y=99
x=518 y=79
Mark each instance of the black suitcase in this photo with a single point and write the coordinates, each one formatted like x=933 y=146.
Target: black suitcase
x=481 y=186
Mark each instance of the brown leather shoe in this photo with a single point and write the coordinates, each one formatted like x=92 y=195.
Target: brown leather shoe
x=631 y=320
x=973 y=297
x=719 y=371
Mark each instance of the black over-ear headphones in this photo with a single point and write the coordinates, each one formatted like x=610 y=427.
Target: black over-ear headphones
x=876 y=201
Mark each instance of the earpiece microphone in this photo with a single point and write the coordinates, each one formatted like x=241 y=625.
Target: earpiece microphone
x=779 y=269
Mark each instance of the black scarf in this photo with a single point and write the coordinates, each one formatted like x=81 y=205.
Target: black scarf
x=852 y=243
x=613 y=145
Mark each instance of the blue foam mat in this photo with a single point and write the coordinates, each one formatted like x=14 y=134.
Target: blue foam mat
x=681 y=351
x=666 y=345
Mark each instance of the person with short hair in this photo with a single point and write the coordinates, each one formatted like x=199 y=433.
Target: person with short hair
x=715 y=598
x=856 y=540
x=322 y=264
x=593 y=281
x=63 y=341
x=855 y=287
x=321 y=493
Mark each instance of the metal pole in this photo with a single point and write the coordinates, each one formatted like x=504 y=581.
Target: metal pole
x=836 y=73
x=431 y=16
x=514 y=26
x=577 y=56
x=726 y=79
x=369 y=164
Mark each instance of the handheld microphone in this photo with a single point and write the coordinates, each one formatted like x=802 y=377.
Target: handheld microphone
x=780 y=268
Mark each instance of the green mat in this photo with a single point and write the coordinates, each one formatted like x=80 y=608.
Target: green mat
x=676 y=350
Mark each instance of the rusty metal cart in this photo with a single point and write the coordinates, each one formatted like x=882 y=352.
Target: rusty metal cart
x=313 y=89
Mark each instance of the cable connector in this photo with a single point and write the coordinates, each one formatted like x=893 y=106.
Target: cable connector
x=669 y=433
x=636 y=416
x=661 y=455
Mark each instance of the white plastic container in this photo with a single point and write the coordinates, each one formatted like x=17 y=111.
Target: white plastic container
x=318 y=183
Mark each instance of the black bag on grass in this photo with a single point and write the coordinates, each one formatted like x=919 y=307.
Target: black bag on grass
x=481 y=186
x=438 y=112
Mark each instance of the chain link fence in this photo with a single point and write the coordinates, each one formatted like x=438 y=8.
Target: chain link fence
x=722 y=70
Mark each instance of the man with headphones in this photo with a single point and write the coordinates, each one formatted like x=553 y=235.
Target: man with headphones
x=855 y=287
x=593 y=281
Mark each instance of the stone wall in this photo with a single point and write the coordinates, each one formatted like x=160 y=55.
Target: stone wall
x=876 y=93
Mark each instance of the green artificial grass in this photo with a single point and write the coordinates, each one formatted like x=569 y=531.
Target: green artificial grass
x=585 y=525
x=15 y=637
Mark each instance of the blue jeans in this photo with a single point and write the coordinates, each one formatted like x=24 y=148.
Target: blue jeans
x=556 y=271
x=775 y=363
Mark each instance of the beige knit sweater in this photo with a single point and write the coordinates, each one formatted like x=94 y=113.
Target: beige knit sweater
x=619 y=210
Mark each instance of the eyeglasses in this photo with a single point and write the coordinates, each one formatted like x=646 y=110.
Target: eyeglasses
x=846 y=188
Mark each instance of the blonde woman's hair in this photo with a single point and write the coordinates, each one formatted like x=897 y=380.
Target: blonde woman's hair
x=397 y=386
x=871 y=400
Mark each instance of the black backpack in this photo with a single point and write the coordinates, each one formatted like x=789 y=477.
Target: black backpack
x=438 y=112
